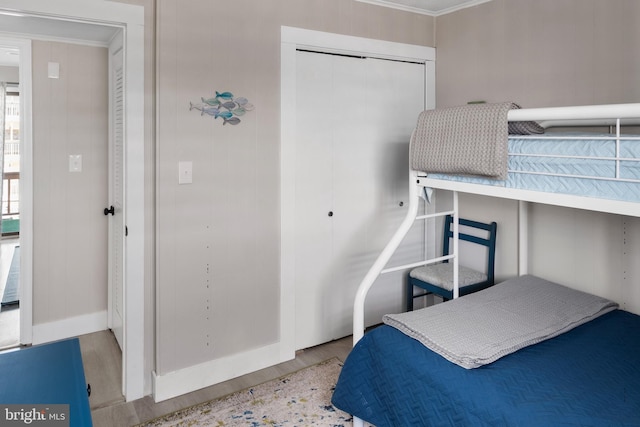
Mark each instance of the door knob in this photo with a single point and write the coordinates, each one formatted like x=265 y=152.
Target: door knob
x=110 y=210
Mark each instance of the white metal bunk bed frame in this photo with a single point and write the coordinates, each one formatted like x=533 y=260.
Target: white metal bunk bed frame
x=601 y=115
x=591 y=115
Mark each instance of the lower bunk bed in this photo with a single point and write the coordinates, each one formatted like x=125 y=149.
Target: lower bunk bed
x=586 y=376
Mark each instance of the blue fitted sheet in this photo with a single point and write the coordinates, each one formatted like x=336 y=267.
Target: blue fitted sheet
x=589 y=376
x=603 y=189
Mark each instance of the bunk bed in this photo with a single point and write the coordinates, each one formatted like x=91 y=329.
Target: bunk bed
x=459 y=363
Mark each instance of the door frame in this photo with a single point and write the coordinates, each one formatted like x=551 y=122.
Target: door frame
x=297 y=38
x=26 y=187
x=130 y=20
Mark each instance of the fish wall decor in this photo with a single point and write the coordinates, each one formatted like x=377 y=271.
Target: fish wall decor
x=223 y=105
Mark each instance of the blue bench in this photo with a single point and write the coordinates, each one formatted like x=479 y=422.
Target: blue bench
x=47 y=374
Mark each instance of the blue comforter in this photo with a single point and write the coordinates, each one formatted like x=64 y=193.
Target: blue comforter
x=589 y=376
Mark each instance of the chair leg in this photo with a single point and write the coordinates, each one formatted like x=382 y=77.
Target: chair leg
x=409 y=300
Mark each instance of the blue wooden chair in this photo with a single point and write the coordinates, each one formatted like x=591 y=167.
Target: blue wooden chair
x=438 y=278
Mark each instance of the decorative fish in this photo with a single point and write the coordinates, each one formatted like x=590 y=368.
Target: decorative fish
x=224 y=114
x=231 y=121
x=211 y=101
x=214 y=107
x=224 y=95
x=204 y=109
x=210 y=111
x=229 y=105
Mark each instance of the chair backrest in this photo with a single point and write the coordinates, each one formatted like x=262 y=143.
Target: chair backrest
x=489 y=242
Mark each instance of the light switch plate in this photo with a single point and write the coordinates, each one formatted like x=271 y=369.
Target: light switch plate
x=75 y=162
x=185 y=172
x=53 y=70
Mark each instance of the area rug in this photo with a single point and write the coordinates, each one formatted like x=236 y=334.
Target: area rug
x=299 y=399
x=11 y=297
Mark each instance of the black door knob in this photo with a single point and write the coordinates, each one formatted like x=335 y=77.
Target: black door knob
x=110 y=210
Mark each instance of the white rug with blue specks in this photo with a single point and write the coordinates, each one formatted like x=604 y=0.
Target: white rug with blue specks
x=302 y=398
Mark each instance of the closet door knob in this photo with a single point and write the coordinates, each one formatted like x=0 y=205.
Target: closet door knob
x=110 y=210
x=330 y=213
x=401 y=204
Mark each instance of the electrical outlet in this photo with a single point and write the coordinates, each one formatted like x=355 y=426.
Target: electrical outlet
x=185 y=172
x=53 y=70
x=75 y=162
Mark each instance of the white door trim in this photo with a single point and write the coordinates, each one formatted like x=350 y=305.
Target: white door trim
x=291 y=40
x=131 y=19
x=26 y=188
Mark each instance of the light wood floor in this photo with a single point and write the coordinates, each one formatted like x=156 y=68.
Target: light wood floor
x=103 y=370
x=10 y=316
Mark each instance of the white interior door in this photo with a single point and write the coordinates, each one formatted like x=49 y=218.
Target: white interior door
x=115 y=211
x=354 y=120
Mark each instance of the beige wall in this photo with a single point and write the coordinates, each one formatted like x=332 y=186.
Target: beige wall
x=540 y=53
x=218 y=238
x=69 y=230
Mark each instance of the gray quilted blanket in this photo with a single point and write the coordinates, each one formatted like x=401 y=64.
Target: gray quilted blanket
x=480 y=328
x=467 y=140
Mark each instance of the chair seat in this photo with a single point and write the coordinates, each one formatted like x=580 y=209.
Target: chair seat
x=441 y=275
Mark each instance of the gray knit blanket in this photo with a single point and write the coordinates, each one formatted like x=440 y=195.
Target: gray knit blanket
x=465 y=140
x=482 y=327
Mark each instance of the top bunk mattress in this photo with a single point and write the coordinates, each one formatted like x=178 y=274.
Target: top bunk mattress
x=591 y=165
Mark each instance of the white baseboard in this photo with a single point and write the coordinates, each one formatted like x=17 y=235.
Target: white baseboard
x=71 y=327
x=213 y=372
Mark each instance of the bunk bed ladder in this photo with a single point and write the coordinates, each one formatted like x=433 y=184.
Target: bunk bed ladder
x=378 y=267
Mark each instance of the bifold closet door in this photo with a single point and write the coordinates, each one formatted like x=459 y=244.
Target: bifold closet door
x=354 y=120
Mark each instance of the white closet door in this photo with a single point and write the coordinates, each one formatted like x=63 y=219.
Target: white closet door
x=354 y=121
x=314 y=194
